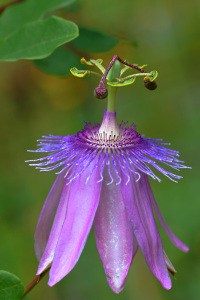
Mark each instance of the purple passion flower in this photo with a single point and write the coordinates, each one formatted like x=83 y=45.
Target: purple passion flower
x=104 y=181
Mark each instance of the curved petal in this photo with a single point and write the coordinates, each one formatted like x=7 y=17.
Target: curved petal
x=59 y=219
x=114 y=234
x=81 y=209
x=178 y=243
x=44 y=222
x=139 y=209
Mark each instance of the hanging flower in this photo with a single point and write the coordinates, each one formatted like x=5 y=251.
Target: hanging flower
x=104 y=181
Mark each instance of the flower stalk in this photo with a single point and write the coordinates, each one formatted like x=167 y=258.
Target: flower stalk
x=115 y=71
x=34 y=282
x=111 y=98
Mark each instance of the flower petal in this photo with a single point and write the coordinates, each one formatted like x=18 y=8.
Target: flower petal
x=44 y=222
x=138 y=205
x=59 y=219
x=114 y=234
x=178 y=243
x=81 y=209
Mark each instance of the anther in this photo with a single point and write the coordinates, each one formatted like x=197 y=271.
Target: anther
x=150 y=85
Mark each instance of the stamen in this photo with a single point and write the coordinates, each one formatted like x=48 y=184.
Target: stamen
x=115 y=168
x=126 y=151
x=101 y=91
x=96 y=164
x=108 y=164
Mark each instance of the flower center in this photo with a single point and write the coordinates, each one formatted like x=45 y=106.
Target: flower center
x=109 y=126
x=109 y=135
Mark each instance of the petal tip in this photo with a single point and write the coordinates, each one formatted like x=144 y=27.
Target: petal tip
x=186 y=248
x=167 y=284
x=116 y=283
x=51 y=283
x=40 y=270
x=53 y=279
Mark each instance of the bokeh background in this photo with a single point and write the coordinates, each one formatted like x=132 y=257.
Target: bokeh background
x=166 y=36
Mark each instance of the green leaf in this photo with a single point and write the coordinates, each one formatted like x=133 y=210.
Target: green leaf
x=26 y=12
x=11 y=287
x=38 y=39
x=94 y=41
x=59 y=62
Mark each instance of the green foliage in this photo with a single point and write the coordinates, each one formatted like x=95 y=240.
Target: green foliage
x=94 y=41
x=27 y=12
x=59 y=62
x=11 y=286
x=24 y=34
x=38 y=39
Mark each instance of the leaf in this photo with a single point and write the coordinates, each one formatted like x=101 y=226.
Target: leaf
x=94 y=41
x=11 y=287
x=38 y=39
x=59 y=62
x=26 y=12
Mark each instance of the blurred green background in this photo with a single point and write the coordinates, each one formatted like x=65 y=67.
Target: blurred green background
x=34 y=104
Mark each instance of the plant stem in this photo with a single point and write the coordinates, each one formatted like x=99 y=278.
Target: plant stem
x=34 y=282
x=111 y=98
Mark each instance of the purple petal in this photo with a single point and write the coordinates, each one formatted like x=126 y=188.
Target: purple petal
x=114 y=234
x=44 y=222
x=138 y=205
x=81 y=209
x=59 y=219
x=178 y=243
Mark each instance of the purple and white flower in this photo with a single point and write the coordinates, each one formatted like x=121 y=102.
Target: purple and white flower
x=104 y=181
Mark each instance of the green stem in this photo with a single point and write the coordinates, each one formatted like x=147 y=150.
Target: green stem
x=111 y=98
x=98 y=65
x=34 y=282
x=95 y=73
